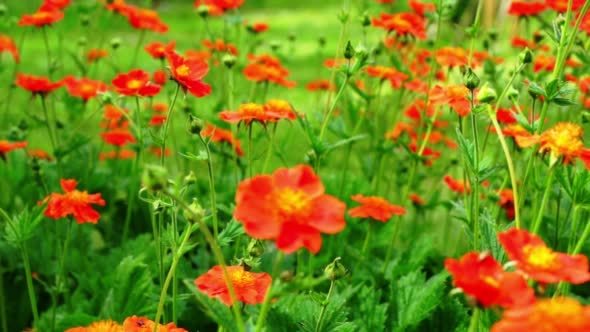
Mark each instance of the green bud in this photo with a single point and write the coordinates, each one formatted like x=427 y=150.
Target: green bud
x=195 y=214
x=191 y=178
x=115 y=43
x=512 y=93
x=203 y=11
x=292 y=37
x=322 y=41
x=106 y=98
x=471 y=79
x=255 y=248
x=196 y=125
x=585 y=117
x=343 y=16
x=335 y=270
x=538 y=37
x=3 y=9
x=486 y=94
x=275 y=45
x=229 y=60
x=286 y=276
x=155 y=178
x=82 y=41
x=365 y=20
x=526 y=56
x=348 y=51
x=84 y=20
x=361 y=53
x=493 y=35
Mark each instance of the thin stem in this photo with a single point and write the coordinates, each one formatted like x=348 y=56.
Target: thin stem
x=474 y=323
x=212 y=194
x=364 y=252
x=318 y=326
x=546 y=194
x=171 y=273
x=134 y=167
x=475 y=184
x=137 y=46
x=51 y=133
x=217 y=253
x=334 y=103
x=250 y=166
x=167 y=124
x=46 y=42
x=266 y=304
x=270 y=148
x=29 y=279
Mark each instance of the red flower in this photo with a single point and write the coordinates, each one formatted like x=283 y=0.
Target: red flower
x=143 y=324
x=543 y=62
x=41 y=18
x=457 y=186
x=546 y=315
x=160 y=77
x=376 y=208
x=218 y=7
x=291 y=207
x=395 y=77
x=50 y=5
x=505 y=116
x=272 y=111
x=526 y=8
x=416 y=199
x=249 y=287
x=217 y=135
x=122 y=155
x=506 y=201
x=320 y=85
x=454 y=95
x=95 y=54
x=158 y=120
x=8 y=45
x=6 y=146
x=539 y=262
x=146 y=19
x=479 y=275
x=158 y=50
x=451 y=57
x=39 y=154
x=118 y=136
x=220 y=46
x=84 y=88
x=402 y=23
x=258 y=27
x=421 y=8
x=135 y=83
x=561 y=5
x=189 y=73
x=36 y=84
x=73 y=202
x=267 y=68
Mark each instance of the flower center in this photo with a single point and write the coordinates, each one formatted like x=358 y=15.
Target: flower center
x=182 y=71
x=78 y=196
x=540 y=256
x=240 y=277
x=134 y=84
x=293 y=202
x=87 y=88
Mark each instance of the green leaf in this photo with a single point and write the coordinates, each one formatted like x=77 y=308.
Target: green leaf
x=215 y=309
x=230 y=233
x=371 y=312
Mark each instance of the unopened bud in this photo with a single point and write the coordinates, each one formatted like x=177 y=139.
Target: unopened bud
x=3 y=9
x=155 y=178
x=115 y=43
x=526 y=56
x=472 y=81
x=335 y=270
x=486 y=94
x=82 y=41
x=348 y=51
x=191 y=178
x=195 y=213
x=229 y=60
x=255 y=248
x=203 y=11
x=196 y=125
x=512 y=93
x=365 y=20
x=84 y=20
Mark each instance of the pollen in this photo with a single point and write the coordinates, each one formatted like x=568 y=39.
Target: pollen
x=241 y=278
x=134 y=84
x=292 y=202
x=182 y=71
x=540 y=256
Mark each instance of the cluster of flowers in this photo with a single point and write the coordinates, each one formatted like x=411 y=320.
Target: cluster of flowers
x=131 y=324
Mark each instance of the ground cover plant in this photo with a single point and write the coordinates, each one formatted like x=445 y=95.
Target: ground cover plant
x=250 y=165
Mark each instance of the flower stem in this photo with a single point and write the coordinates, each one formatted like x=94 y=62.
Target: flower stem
x=212 y=194
x=318 y=326
x=364 y=251
x=266 y=304
x=269 y=150
x=217 y=253
x=475 y=184
x=29 y=279
x=137 y=46
x=474 y=323
x=171 y=272
x=167 y=124
x=546 y=194
x=334 y=103
x=46 y=42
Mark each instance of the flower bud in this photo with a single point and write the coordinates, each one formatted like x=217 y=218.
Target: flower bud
x=526 y=56
x=322 y=41
x=195 y=214
x=84 y=20
x=361 y=53
x=115 y=43
x=335 y=270
x=486 y=94
x=196 y=125
x=82 y=41
x=471 y=80
x=275 y=45
x=229 y=60
x=365 y=20
x=255 y=248
x=292 y=37
x=3 y=9
x=348 y=51
x=512 y=93
x=203 y=11
x=191 y=178
x=155 y=178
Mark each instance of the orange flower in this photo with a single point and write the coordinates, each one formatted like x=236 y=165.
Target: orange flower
x=400 y=128
x=402 y=23
x=505 y=116
x=561 y=5
x=272 y=111
x=8 y=45
x=146 y=19
x=258 y=27
x=135 y=83
x=457 y=186
x=102 y=326
x=143 y=324
x=73 y=202
x=39 y=154
x=395 y=77
x=159 y=77
x=36 y=84
x=217 y=135
x=95 y=54
x=189 y=74
x=543 y=62
x=564 y=140
x=6 y=146
x=506 y=201
x=49 y=5
x=416 y=199
x=451 y=57
x=320 y=85
x=218 y=7
x=421 y=8
x=158 y=50
x=479 y=275
x=41 y=18
x=123 y=154
x=526 y=8
x=158 y=120
x=267 y=68
x=84 y=88
x=416 y=110
x=539 y=262
x=455 y=96
x=376 y=208
x=291 y=207
x=249 y=287
x=546 y=315
x=118 y=136
x=220 y=46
